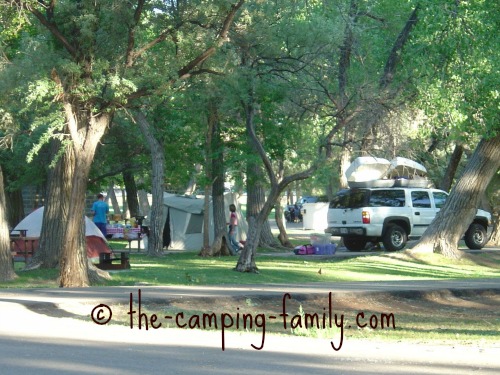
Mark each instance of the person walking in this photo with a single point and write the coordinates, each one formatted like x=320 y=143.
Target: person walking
x=233 y=230
x=100 y=209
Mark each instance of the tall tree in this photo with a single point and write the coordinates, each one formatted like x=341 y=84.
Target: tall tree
x=131 y=189
x=452 y=167
x=6 y=266
x=53 y=229
x=155 y=238
x=445 y=232
x=94 y=66
x=459 y=92
x=155 y=242
x=215 y=172
x=495 y=206
x=266 y=74
x=246 y=261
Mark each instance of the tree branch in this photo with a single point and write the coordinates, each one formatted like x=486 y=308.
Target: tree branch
x=49 y=25
x=221 y=39
x=116 y=170
x=249 y=111
x=392 y=61
x=131 y=34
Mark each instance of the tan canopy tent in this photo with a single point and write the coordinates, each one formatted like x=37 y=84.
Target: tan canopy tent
x=183 y=217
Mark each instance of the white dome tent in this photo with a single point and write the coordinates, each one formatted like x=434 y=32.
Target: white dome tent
x=32 y=224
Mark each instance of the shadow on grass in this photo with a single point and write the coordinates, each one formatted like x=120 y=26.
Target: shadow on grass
x=189 y=269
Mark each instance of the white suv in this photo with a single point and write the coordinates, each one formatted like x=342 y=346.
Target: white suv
x=393 y=215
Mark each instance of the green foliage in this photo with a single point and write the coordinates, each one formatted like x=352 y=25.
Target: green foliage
x=458 y=67
x=284 y=55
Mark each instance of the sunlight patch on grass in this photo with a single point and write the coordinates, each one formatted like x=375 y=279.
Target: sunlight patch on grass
x=187 y=268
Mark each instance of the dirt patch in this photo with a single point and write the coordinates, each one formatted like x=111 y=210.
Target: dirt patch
x=484 y=303
x=447 y=316
x=470 y=317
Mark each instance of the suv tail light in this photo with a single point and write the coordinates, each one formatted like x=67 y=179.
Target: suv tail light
x=365 y=215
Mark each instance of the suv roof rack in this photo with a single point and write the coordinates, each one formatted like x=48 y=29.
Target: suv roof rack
x=399 y=182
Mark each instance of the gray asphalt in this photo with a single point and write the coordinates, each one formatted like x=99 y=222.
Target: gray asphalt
x=36 y=337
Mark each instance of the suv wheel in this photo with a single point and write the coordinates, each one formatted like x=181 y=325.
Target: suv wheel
x=394 y=238
x=355 y=243
x=475 y=237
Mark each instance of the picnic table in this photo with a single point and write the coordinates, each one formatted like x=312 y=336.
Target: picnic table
x=106 y=260
x=128 y=234
x=22 y=246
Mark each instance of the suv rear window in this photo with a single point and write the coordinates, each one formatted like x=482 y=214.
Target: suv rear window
x=349 y=199
x=387 y=198
x=420 y=199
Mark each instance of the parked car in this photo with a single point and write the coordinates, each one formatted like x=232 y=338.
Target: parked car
x=293 y=213
x=307 y=199
x=392 y=216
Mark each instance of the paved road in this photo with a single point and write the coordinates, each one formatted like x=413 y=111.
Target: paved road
x=117 y=294
x=64 y=348
x=39 y=334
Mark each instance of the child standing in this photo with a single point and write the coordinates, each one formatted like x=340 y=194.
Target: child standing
x=233 y=230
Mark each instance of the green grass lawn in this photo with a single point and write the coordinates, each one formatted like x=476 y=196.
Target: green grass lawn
x=187 y=268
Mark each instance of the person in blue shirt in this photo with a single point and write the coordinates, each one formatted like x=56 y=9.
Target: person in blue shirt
x=100 y=209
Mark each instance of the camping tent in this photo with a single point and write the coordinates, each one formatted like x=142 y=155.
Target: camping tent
x=183 y=217
x=96 y=242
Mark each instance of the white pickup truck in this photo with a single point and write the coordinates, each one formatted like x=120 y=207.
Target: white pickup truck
x=392 y=216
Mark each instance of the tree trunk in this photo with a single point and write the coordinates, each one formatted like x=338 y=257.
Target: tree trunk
x=209 y=148
x=256 y=197
x=111 y=196
x=495 y=212
x=267 y=238
x=379 y=112
x=191 y=187
x=451 y=170
x=283 y=235
x=144 y=207
x=125 y=210
x=218 y=202
x=96 y=275
x=444 y=233
x=246 y=262
x=495 y=235
x=206 y=218
x=131 y=190
x=215 y=173
x=155 y=238
x=219 y=245
x=343 y=100
x=15 y=207
x=86 y=131
x=55 y=214
x=395 y=55
x=345 y=161
x=6 y=267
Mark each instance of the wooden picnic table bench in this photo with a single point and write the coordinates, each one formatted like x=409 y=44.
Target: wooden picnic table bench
x=22 y=247
x=109 y=261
